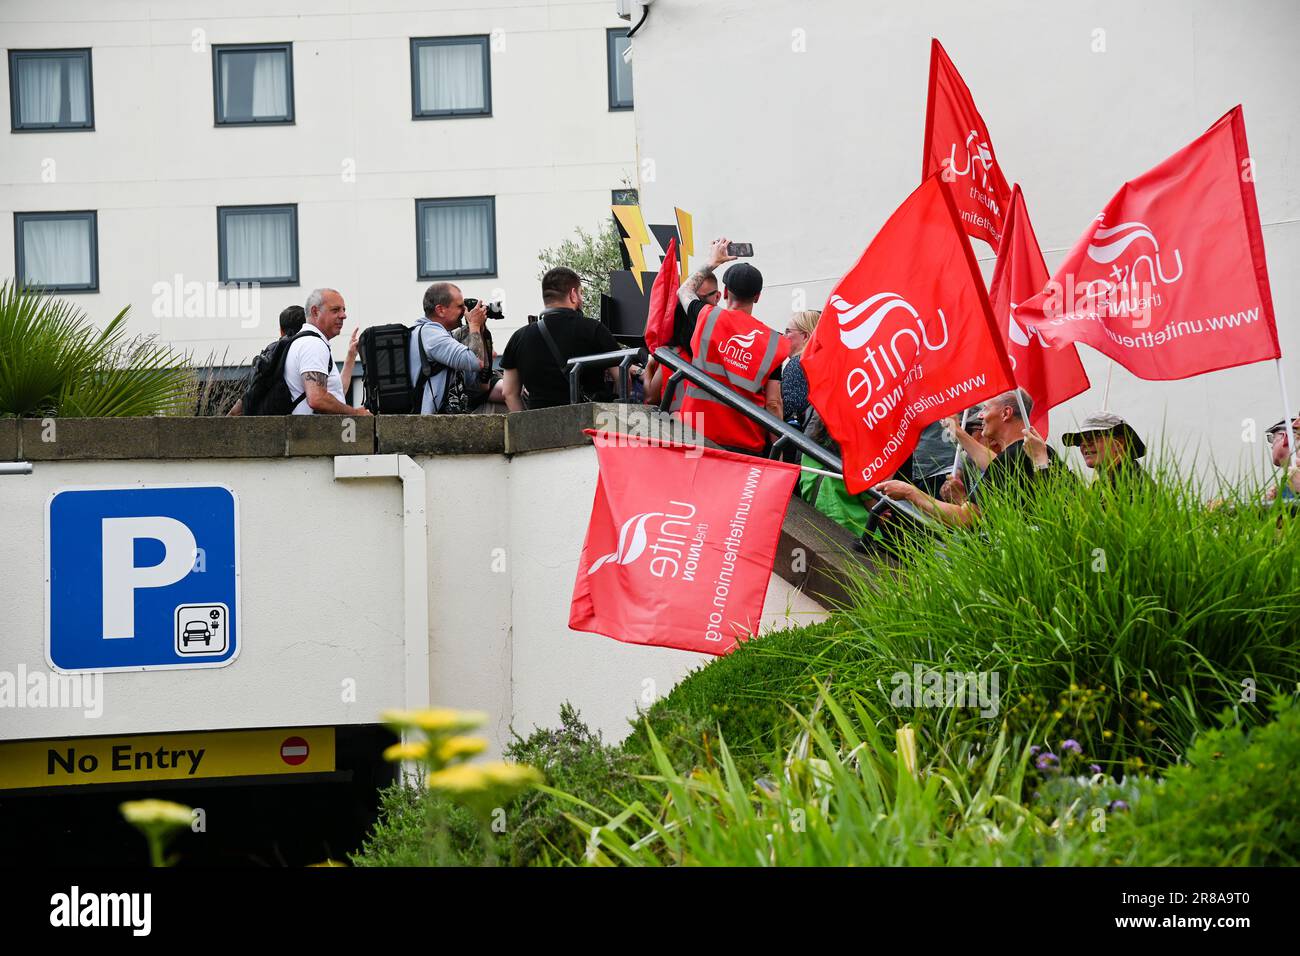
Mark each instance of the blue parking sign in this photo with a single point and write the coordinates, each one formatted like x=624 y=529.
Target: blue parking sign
x=141 y=578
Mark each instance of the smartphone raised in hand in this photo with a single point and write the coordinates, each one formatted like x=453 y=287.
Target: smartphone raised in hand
x=741 y=250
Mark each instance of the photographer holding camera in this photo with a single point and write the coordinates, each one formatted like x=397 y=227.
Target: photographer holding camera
x=484 y=389
x=446 y=392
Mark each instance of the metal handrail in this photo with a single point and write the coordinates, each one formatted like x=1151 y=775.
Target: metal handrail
x=683 y=369
x=624 y=358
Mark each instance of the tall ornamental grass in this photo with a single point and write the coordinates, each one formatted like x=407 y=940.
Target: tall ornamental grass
x=1123 y=620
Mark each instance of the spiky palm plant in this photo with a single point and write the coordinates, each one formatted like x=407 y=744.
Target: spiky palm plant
x=55 y=362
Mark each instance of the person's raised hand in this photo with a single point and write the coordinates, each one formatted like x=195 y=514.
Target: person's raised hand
x=894 y=489
x=954 y=490
x=718 y=252
x=476 y=317
x=1035 y=446
x=354 y=343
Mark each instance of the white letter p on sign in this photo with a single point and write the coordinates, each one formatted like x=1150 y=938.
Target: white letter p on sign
x=122 y=577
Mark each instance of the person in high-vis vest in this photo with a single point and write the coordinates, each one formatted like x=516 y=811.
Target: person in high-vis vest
x=656 y=376
x=732 y=347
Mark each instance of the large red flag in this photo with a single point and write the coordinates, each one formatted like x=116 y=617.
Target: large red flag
x=681 y=544
x=907 y=338
x=1170 y=280
x=1050 y=376
x=957 y=143
x=663 y=301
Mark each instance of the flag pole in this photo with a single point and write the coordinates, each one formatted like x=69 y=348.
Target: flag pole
x=1020 y=403
x=1286 y=413
x=1105 y=395
x=956 y=458
x=821 y=471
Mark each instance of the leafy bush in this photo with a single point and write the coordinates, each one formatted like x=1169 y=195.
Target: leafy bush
x=571 y=757
x=1233 y=803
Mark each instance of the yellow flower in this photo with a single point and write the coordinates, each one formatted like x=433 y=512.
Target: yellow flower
x=435 y=719
x=454 y=748
x=407 y=750
x=515 y=776
x=906 y=739
x=154 y=812
x=461 y=779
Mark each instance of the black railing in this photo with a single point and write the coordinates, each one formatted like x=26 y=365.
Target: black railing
x=682 y=370
x=623 y=358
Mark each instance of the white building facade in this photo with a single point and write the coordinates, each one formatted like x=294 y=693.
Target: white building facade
x=798 y=127
x=210 y=163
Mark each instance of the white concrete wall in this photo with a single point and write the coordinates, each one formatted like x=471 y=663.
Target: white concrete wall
x=811 y=151
x=321 y=572
x=156 y=167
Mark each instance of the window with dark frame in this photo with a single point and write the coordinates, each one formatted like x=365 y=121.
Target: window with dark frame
x=252 y=84
x=456 y=237
x=258 y=244
x=57 y=251
x=51 y=90
x=620 y=72
x=624 y=197
x=450 y=77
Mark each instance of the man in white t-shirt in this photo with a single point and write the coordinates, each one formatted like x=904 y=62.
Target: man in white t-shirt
x=314 y=382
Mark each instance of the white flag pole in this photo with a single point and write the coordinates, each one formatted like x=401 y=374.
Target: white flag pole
x=956 y=458
x=1105 y=395
x=1287 y=417
x=1020 y=402
x=821 y=471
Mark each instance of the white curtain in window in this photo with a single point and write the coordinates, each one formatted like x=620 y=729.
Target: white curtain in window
x=622 y=72
x=457 y=239
x=451 y=77
x=270 y=91
x=260 y=85
x=56 y=252
x=52 y=90
x=258 y=246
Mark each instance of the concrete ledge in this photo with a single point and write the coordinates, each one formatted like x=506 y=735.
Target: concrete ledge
x=814 y=554
x=440 y=434
x=10 y=442
x=561 y=427
x=329 y=435
x=65 y=439
x=254 y=437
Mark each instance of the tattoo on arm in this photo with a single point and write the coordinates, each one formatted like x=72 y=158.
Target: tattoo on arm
x=320 y=378
x=474 y=342
x=687 y=293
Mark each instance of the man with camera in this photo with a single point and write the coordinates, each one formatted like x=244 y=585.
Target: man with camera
x=449 y=362
x=484 y=389
x=536 y=357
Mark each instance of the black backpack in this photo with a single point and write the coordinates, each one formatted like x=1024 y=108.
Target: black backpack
x=267 y=392
x=387 y=377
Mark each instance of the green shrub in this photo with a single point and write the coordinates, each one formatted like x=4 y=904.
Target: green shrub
x=1233 y=803
x=572 y=758
x=577 y=761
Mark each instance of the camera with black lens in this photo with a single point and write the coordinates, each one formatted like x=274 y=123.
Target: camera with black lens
x=493 y=309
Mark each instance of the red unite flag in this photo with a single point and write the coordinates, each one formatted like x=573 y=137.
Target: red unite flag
x=1170 y=280
x=958 y=145
x=1050 y=376
x=663 y=301
x=906 y=338
x=680 y=547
